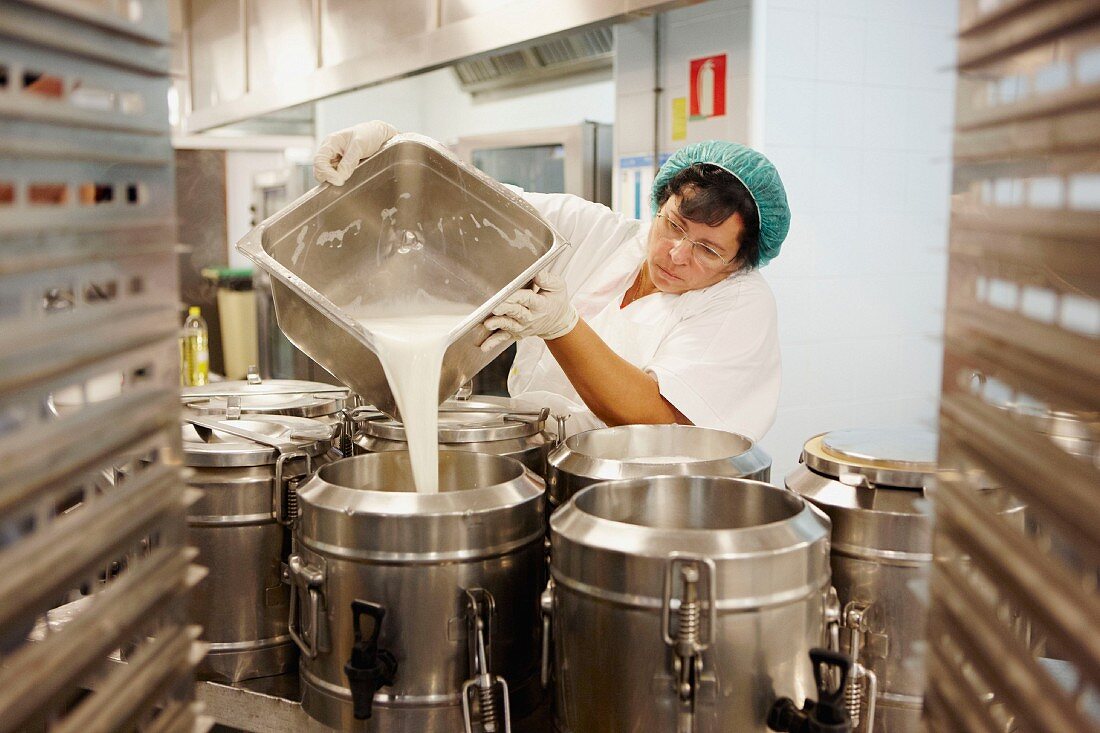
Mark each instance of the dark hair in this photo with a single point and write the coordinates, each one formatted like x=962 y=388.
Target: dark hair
x=709 y=195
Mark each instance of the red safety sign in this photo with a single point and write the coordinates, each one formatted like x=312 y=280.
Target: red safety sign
x=708 y=87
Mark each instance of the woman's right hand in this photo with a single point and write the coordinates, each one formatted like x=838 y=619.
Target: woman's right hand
x=340 y=152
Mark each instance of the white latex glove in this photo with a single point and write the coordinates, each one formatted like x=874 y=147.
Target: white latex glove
x=543 y=311
x=340 y=153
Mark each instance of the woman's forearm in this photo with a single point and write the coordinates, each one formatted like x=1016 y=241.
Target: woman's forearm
x=616 y=391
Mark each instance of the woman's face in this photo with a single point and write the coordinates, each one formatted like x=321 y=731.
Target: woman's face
x=684 y=255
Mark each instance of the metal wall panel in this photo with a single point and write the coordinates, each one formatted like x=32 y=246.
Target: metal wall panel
x=452 y=11
x=282 y=40
x=218 y=55
x=93 y=623
x=365 y=42
x=346 y=32
x=1014 y=632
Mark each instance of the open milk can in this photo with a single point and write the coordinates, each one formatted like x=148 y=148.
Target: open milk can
x=480 y=424
x=240 y=527
x=637 y=451
x=256 y=396
x=419 y=612
x=683 y=603
x=872 y=483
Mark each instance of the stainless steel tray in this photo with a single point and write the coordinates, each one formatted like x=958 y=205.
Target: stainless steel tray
x=412 y=223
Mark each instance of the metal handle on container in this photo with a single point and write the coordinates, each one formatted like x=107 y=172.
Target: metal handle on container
x=561 y=420
x=305 y=578
x=285 y=491
x=480 y=607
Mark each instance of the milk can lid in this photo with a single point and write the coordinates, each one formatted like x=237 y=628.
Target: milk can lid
x=476 y=420
x=900 y=457
x=266 y=397
x=204 y=448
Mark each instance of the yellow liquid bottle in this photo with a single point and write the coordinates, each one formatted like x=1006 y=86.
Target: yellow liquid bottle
x=194 y=350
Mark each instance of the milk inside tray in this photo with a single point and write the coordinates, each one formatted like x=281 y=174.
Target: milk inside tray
x=414 y=232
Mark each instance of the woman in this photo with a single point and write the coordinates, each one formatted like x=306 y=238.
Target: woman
x=663 y=323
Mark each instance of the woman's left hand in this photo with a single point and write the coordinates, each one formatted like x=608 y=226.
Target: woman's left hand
x=543 y=311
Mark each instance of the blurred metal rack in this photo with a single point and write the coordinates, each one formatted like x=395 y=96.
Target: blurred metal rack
x=1014 y=630
x=92 y=508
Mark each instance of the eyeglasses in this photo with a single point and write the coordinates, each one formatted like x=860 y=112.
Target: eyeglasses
x=704 y=254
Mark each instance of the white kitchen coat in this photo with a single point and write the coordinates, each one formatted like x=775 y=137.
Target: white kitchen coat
x=714 y=351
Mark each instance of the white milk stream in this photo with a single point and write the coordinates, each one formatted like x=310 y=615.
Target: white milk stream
x=411 y=350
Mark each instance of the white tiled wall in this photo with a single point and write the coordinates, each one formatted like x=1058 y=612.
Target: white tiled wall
x=853 y=102
x=859 y=100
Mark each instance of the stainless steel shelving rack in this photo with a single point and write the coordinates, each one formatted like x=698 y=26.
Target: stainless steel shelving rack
x=1014 y=632
x=92 y=508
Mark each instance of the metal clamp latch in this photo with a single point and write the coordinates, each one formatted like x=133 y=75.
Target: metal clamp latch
x=863 y=682
x=308 y=580
x=284 y=498
x=693 y=637
x=479 y=614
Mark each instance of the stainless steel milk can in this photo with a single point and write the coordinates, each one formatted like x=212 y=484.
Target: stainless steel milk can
x=256 y=396
x=684 y=603
x=419 y=612
x=636 y=451
x=872 y=483
x=481 y=424
x=239 y=526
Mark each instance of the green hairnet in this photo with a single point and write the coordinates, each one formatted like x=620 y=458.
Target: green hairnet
x=752 y=169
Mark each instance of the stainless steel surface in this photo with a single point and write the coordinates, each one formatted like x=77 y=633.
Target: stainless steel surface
x=247 y=487
x=585 y=159
x=1020 y=330
x=889 y=457
x=908 y=448
x=271 y=705
x=399 y=223
x=480 y=424
x=278 y=358
x=254 y=441
x=92 y=507
x=389 y=42
x=589 y=51
x=364 y=535
x=269 y=24
x=636 y=451
x=881 y=553
x=623 y=554
x=266 y=397
x=217 y=52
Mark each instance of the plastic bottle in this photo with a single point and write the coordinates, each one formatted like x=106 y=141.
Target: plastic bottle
x=194 y=350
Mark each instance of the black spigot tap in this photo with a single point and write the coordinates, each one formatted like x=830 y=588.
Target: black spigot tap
x=825 y=715
x=369 y=668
